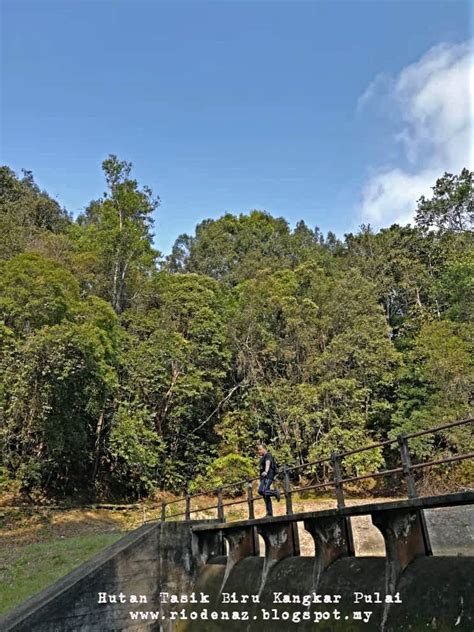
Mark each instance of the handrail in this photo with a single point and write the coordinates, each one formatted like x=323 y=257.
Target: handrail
x=450 y=425
x=317 y=462
x=407 y=468
x=372 y=446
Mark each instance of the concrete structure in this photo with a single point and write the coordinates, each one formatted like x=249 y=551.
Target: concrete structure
x=217 y=566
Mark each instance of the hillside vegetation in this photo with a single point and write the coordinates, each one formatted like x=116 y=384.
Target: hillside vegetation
x=124 y=372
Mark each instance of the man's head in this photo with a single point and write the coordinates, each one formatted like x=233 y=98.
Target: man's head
x=261 y=449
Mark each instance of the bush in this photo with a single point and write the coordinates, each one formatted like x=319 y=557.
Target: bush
x=223 y=471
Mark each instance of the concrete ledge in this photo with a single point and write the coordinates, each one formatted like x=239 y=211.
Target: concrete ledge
x=424 y=502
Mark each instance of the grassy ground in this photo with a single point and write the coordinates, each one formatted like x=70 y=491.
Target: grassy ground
x=38 y=546
x=27 y=569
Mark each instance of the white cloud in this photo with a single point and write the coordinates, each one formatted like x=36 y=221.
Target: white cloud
x=380 y=85
x=434 y=98
x=390 y=197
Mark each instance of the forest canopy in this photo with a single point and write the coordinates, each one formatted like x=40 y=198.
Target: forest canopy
x=124 y=372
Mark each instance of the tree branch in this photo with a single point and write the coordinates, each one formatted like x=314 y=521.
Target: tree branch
x=217 y=408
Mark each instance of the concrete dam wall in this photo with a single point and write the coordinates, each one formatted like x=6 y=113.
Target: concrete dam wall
x=200 y=576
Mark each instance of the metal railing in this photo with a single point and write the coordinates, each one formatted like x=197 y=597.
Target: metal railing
x=337 y=482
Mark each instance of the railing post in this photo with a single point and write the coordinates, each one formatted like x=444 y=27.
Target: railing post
x=289 y=509
x=336 y=469
x=287 y=488
x=337 y=474
x=406 y=465
x=250 y=500
x=187 y=510
x=411 y=488
x=220 y=505
x=163 y=512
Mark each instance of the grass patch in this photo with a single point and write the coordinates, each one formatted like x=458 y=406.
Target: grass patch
x=25 y=570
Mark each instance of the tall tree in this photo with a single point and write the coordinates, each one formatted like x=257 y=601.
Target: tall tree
x=34 y=292
x=451 y=207
x=117 y=231
x=231 y=249
x=57 y=361
x=175 y=361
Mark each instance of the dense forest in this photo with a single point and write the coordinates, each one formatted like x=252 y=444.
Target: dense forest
x=124 y=372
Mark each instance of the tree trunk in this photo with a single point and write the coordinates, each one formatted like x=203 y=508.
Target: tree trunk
x=98 y=433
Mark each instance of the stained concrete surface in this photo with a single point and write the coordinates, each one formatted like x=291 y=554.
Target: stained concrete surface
x=164 y=557
x=451 y=531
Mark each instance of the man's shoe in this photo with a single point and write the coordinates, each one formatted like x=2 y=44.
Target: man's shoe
x=277 y=495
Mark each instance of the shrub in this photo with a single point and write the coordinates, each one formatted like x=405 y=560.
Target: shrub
x=223 y=471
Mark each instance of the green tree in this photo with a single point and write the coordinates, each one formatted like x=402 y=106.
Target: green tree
x=56 y=389
x=452 y=206
x=231 y=249
x=175 y=362
x=117 y=232
x=28 y=216
x=393 y=261
x=315 y=355
x=34 y=292
x=455 y=285
x=225 y=470
x=437 y=385
x=135 y=450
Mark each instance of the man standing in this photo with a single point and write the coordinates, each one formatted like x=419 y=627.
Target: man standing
x=267 y=474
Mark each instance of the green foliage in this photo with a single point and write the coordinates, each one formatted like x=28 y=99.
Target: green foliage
x=175 y=360
x=27 y=215
x=456 y=284
x=56 y=388
x=35 y=292
x=438 y=385
x=121 y=375
x=117 y=234
x=136 y=450
x=452 y=206
x=231 y=248
x=225 y=470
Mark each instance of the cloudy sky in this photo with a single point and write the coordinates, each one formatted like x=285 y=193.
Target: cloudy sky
x=339 y=113
x=433 y=105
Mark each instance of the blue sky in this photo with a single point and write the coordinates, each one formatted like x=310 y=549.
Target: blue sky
x=334 y=112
